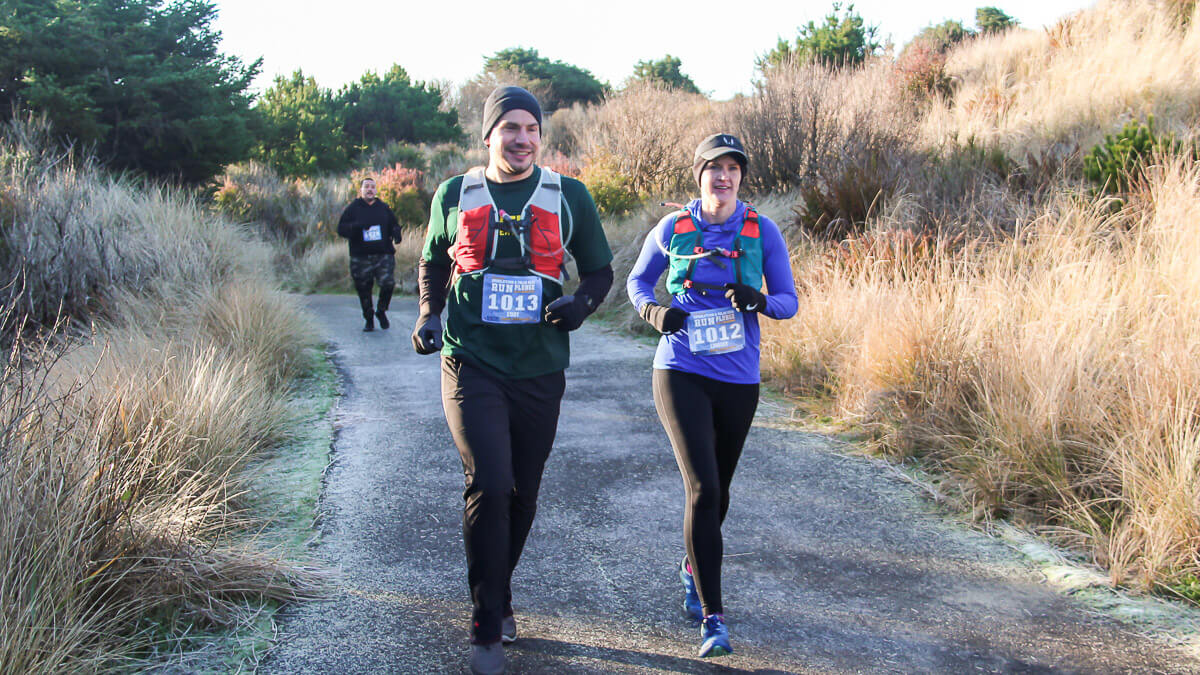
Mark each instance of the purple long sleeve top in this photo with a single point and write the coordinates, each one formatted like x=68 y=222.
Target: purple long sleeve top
x=674 y=353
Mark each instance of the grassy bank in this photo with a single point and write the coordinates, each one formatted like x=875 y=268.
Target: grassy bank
x=972 y=302
x=1049 y=370
x=149 y=359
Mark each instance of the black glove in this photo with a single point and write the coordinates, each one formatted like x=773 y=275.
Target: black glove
x=745 y=298
x=665 y=320
x=427 y=335
x=568 y=312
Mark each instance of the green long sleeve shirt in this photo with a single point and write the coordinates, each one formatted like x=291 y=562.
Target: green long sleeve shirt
x=512 y=350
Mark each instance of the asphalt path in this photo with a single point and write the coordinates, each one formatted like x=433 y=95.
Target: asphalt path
x=832 y=564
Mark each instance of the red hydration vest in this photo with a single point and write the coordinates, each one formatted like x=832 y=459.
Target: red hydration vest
x=539 y=229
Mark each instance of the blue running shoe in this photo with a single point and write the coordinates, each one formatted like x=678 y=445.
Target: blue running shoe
x=715 y=636
x=691 y=599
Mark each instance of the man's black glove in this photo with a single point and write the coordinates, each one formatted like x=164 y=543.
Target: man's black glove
x=427 y=335
x=665 y=320
x=568 y=312
x=745 y=298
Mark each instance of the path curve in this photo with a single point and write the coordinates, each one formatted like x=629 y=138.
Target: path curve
x=832 y=565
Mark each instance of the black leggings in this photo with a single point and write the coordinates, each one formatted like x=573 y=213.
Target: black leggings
x=504 y=430
x=707 y=421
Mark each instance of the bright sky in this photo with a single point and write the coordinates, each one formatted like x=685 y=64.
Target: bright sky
x=336 y=42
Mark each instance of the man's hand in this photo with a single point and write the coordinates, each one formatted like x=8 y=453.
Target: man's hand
x=427 y=335
x=745 y=298
x=568 y=312
x=665 y=320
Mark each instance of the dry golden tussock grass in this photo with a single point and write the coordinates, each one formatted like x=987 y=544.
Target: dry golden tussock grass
x=648 y=135
x=122 y=438
x=1053 y=374
x=1044 y=96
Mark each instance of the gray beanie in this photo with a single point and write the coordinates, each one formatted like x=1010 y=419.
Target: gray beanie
x=504 y=99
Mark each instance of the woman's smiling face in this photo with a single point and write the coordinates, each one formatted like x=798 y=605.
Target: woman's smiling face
x=721 y=179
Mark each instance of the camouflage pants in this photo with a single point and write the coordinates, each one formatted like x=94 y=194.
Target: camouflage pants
x=379 y=268
x=375 y=268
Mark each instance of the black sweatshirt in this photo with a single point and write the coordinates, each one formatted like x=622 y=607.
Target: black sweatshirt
x=370 y=228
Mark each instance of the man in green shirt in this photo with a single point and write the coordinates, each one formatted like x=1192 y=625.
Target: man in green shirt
x=495 y=258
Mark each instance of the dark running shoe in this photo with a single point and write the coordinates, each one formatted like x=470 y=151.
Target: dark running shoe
x=691 y=599
x=487 y=659
x=508 y=629
x=383 y=320
x=715 y=637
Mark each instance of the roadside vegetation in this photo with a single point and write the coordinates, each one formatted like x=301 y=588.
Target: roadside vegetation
x=993 y=232
x=148 y=359
x=991 y=235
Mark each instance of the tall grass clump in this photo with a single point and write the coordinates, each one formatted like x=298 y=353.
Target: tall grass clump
x=148 y=359
x=844 y=142
x=1043 y=96
x=808 y=122
x=642 y=138
x=1052 y=374
x=291 y=212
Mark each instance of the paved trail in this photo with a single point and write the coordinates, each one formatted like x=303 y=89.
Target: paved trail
x=833 y=566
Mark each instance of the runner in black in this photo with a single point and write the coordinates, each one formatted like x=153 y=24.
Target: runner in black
x=717 y=253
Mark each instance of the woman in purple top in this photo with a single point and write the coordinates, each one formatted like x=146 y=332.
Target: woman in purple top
x=717 y=253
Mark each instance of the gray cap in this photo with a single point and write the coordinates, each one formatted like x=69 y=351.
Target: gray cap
x=504 y=99
x=713 y=147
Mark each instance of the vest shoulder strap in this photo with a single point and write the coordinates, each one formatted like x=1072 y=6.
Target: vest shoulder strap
x=548 y=195
x=474 y=192
x=750 y=223
x=684 y=223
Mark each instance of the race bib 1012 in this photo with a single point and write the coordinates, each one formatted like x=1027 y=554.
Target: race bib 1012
x=716 y=331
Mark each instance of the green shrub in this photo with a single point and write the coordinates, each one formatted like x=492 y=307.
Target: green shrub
x=992 y=20
x=943 y=36
x=842 y=39
x=1119 y=163
x=611 y=189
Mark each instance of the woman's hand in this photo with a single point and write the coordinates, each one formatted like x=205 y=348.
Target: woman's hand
x=745 y=298
x=665 y=320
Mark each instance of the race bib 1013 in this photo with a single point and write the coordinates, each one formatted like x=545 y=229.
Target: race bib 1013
x=511 y=299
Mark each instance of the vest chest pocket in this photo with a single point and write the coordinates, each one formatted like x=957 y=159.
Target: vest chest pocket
x=511 y=299
x=716 y=331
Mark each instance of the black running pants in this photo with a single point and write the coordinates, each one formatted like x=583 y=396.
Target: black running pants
x=504 y=430
x=707 y=421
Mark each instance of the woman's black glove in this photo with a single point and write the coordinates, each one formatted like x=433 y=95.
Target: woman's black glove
x=665 y=320
x=568 y=312
x=745 y=298
x=427 y=335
